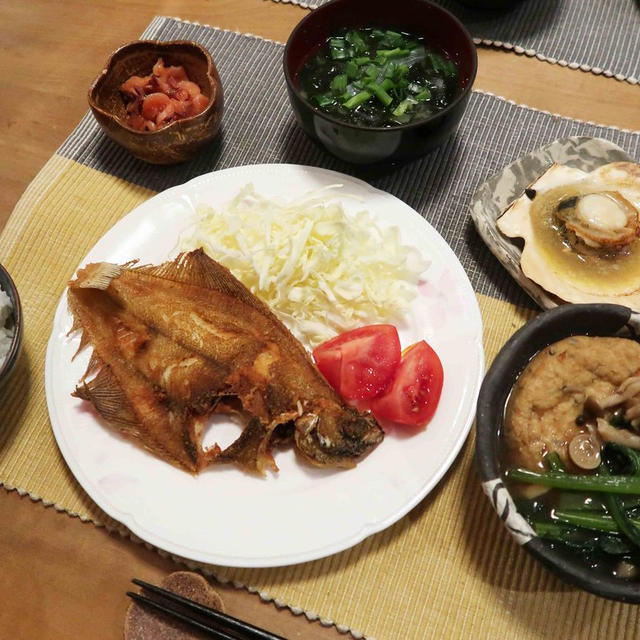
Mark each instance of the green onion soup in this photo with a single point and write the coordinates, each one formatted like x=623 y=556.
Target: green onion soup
x=378 y=78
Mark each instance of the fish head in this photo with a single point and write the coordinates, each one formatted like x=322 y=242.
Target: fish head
x=336 y=438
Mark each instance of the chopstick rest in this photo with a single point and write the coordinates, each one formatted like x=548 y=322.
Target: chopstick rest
x=142 y=622
x=207 y=620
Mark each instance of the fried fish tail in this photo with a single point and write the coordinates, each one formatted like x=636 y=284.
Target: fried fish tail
x=97 y=275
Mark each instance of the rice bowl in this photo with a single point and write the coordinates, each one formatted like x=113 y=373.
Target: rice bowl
x=11 y=328
x=6 y=333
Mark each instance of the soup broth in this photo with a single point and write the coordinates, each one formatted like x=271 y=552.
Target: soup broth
x=570 y=450
x=379 y=78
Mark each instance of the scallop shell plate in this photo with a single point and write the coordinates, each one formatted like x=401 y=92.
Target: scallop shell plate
x=493 y=197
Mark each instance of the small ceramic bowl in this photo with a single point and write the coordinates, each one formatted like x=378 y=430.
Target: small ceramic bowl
x=367 y=145
x=13 y=322
x=547 y=328
x=180 y=140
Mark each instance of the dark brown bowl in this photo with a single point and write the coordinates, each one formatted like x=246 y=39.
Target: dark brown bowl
x=547 y=328
x=367 y=145
x=7 y=365
x=180 y=140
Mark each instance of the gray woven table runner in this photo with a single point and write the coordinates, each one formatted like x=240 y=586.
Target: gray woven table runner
x=259 y=127
x=602 y=36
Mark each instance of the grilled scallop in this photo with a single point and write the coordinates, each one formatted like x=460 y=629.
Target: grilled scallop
x=581 y=233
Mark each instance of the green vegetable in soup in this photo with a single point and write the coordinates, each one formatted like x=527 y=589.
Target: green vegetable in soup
x=378 y=78
x=619 y=484
x=619 y=457
x=594 y=515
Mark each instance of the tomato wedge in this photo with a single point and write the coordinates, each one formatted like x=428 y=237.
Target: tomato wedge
x=360 y=363
x=413 y=397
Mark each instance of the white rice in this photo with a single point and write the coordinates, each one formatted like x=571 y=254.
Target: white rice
x=6 y=335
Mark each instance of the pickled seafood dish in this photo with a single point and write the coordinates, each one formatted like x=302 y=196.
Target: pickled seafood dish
x=580 y=233
x=175 y=343
x=164 y=96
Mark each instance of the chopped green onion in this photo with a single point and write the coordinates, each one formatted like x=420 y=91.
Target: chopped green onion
x=354 y=38
x=357 y=100
x=436 y=61
x=449 y=69
x=405 y=105
x=385 y=66
x=392 y=53
x=323 y=101
x=371 y=71
x=380 y=93
x=351 y=69
x=339 y=83
x=392 y=39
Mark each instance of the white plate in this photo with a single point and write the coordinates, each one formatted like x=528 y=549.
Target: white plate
x=227 y=517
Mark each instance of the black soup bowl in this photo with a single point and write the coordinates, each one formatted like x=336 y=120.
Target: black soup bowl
x=547 y=328
x=360 y=144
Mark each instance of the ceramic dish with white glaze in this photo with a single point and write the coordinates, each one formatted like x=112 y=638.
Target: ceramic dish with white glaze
x=496 y=194
x=302 y=513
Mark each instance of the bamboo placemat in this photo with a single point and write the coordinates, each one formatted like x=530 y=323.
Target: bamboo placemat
x=601 y=36
x=447 y=569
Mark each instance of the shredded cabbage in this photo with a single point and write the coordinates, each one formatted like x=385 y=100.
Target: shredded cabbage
x=321 y=270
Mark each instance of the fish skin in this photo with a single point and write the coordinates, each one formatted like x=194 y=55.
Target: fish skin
x=198 y=305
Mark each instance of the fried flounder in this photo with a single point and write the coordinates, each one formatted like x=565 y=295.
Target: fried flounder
x=174 y=343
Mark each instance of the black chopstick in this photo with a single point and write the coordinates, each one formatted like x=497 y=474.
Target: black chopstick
x=221 y=622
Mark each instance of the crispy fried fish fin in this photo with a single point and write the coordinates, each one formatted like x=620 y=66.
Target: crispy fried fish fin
x=251 y=451
x=108 y=399
x=84 y=342
x=95 y=365
x=197 y=269
x=97 y=275
x=75 y=326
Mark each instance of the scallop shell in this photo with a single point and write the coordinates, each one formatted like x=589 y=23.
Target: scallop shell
x=600 y=278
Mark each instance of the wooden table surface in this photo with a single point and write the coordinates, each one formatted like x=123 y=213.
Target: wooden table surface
x=60 y=577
